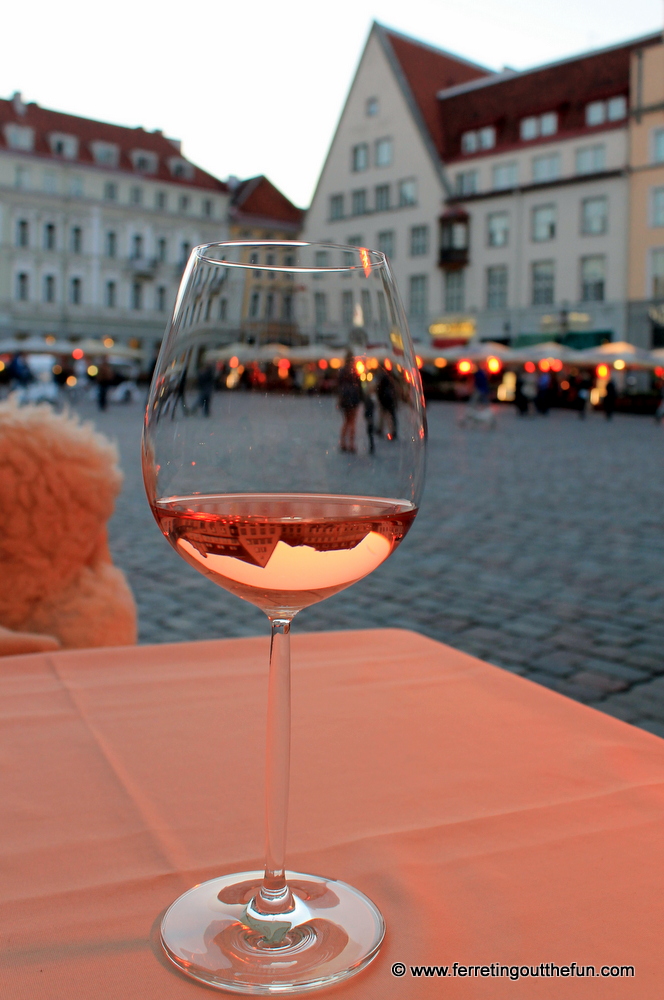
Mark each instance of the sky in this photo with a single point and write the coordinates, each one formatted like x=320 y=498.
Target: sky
x=257 y=86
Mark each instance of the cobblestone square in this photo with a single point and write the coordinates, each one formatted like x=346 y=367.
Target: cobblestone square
x=539 y=547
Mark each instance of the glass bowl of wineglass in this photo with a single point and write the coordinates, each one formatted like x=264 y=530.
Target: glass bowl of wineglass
x=259 y=476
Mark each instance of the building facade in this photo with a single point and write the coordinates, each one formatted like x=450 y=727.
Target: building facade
x=96 y=223
x=501 y=199
x=646 y=233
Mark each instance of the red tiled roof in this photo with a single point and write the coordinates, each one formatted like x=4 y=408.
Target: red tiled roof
x=565 y=87
x=44 y=122
x=258 y=198
x=428 y=70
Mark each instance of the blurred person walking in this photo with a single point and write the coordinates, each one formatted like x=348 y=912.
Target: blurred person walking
x=521 y=401
x=104 y=383
x=609 y=401
x=543 y=397
x=205 y=381
x=349 y=389
x=369 y=408
x=583 y=396
x=387 y=400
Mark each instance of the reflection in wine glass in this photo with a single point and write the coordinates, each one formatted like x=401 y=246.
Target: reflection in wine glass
x=249 y=482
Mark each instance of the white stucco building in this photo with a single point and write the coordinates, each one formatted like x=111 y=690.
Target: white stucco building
x=96 y=221
x=500 y=198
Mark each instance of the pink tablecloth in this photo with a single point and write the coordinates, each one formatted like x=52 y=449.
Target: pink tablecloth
x=491 y=820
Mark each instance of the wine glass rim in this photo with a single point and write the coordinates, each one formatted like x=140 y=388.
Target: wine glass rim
x=369 y=260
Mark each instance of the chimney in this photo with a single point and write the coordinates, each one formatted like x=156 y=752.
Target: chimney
x=17 y=103
x=233 y=182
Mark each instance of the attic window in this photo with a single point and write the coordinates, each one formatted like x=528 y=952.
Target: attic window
x=483 y=138
x=64 y=145
x=539 y=125
x=372 y=107
x=106 y=154
x=180 y=168
x=144 y=162
x=19 y=137
x=613 y=110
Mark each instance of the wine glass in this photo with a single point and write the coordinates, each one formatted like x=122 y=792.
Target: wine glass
x=260 y=477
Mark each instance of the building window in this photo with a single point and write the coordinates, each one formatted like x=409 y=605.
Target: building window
x=367 y=311
x=22 y=178
x=111 y=244
x=613 y=110
x=50 y=182
x=75 y=291
x=136 y=195
x=254 y=304
x=546 y=168
x=19 y=137
x=657 y=144
x=183 y=203
x=372 y=107
x=347 y=308
x=111 y=294
x=498 y=229
x=269 y=305
x=543 y=283
x=223 y=309
x=320 y=308
x=359 y=202
x=466 y=182
x=590 y=160
x=185 y=250
x=22 y=233
x=504 y=176
x=483 y=138
x=544 y=223
x=407 y=193
x=64 y=145
x=208 y=208
x=658 y=274
x=337 y=206
x=354 y=241
x=106 y=154
x=76 y=242
x=539 y=125
x=382 y=309
x=657 y=211
x=419 y=298
x=592 y=279
x=110 y=191
x=360 y=157
x=419 y=241
x=382 y=197
x=161 y=200
x=49 y=288
x=594 y=216
x=49 y=236
x=22 y=286
x=287 y=307
x=383 y=152
x=136 y=247
x=136 y=295
x=454 y=291
x=321 y=258
x=76 y=187
x=386 y=242
x=496 y=287
x=162 y=249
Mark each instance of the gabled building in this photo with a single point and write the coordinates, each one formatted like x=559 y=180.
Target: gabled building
x=383 y=183
x=500 y=198
x=96 y=222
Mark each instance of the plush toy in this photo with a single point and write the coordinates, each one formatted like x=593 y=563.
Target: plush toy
x=58 y=483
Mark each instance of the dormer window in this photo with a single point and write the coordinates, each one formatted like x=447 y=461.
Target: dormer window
x=19 y=137
x=144 y=162
x=63 y=145
x=180 y=168
x=482 y=138
x=537 y=126
x=105 y=154
x=613 y=110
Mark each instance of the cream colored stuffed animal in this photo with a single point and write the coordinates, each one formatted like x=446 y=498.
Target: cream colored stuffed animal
x=58 y=483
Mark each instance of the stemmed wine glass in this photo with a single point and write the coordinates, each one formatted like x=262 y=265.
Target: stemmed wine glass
x=272 y=350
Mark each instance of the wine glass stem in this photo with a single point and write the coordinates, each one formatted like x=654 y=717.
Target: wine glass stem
x=274 y=893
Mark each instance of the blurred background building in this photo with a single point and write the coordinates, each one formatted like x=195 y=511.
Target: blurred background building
x=514 y=206
x=96 y=222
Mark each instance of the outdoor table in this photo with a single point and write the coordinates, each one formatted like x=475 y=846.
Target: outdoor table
x=491 y=820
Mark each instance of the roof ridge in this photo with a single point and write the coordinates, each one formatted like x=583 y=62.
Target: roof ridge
x=510 y=74
x=436 y=49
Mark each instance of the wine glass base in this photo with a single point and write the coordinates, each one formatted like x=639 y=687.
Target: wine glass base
x=333 y=932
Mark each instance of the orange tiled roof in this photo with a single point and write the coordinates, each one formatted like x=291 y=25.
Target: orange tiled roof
x=45 y=122
x=258 y=198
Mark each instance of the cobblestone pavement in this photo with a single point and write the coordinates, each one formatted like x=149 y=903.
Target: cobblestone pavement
x=539 y=547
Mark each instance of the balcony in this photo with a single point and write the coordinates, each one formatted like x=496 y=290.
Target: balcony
x=454 y=239
x=453 y=258
x=142 y=268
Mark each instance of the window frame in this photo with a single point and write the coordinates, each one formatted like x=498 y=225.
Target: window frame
x=584 y=230
x=359 y=157
x=552 y=224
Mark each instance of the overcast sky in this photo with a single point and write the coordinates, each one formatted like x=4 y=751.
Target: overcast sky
x=252 y=86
